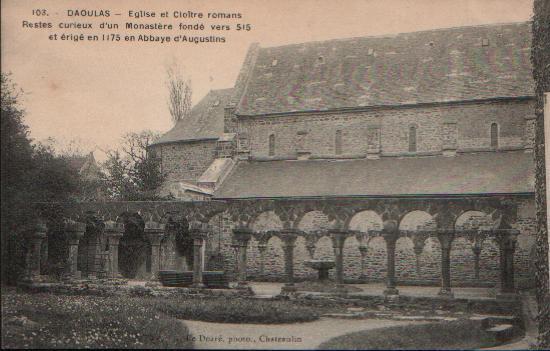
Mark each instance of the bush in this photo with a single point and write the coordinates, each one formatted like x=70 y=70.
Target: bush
x=236 y=310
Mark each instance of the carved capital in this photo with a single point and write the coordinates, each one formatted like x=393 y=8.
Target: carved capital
x=338 y=237
x=75 y=230
x=113 y=228
x=288 y=236
x=242 y=235
x=446 y=238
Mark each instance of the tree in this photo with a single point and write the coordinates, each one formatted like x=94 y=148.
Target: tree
x=179 y=93
x=133 y=174
x=30 y=172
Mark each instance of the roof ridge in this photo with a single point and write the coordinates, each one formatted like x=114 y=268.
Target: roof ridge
x=393 y=35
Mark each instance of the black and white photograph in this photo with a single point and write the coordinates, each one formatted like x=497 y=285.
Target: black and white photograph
x=261 y=175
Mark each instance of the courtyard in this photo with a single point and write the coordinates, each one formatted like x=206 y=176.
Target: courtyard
x=140 y=315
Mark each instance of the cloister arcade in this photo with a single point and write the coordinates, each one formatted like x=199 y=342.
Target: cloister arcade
x=425 y=241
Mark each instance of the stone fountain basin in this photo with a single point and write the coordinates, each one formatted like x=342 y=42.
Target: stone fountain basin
x=320 y=264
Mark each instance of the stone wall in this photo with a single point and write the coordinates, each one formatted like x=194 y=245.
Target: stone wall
x=186 y=161
x=466 y=126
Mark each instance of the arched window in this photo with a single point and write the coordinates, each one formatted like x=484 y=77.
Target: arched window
x=494 y=135
x=412 y=139
x=338 y=142
x=271 y=144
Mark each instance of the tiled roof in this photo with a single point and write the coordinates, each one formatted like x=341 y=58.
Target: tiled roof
x=205 y=122
x=453 y=64
x=479 y=173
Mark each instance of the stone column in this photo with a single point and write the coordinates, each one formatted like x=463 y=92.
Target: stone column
x=199 y=232
x=114 y=231
x=338 y=238
x=476 y=249
x=32 y=257
x=289 y=236
x=363 y=249
x=390 y=234
x=507 y=239
x=262 y=247
x=74 y=231
x=93 y=253
x=445 y=239
x=154 y=231
x=418 y=242
x=242 y=236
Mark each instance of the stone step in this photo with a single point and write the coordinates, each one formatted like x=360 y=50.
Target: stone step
x=487 y=321
x=502 y=332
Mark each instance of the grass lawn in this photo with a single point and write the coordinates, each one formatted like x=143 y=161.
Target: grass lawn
x=462 y=334
x=55 y=321
x=235 y=310
x=59 y=321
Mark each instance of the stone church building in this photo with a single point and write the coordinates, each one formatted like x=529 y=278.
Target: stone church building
x=438 y=114
x=404 y=158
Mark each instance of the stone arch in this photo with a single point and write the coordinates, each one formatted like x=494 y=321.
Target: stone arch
x=489 y=263
x=274 y=263
x=91 y=247
x=301 y=255
x=266 y=221
x=352 y=259
x=325 y=251
x=134 y=256
x=176 y=248
x=314 y=221
x=376 y=264
x=417 y=220
x=430 y=261
x=365 y=221
x=462 y=262
x=473 y=220
x=253 y=259
x=219 y=238
x=405 y=260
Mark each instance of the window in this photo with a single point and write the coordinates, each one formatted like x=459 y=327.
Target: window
x=272 y=145
x=494 y=135
x=338 y=142
x=412 y=139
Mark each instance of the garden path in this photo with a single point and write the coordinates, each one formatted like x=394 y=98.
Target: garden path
x=261 y=288
x=257 y=336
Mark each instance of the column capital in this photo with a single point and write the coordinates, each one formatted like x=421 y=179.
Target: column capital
x=288 y=236
x=446 y=237
x=198 y=230
x=390 y=230
x=75 y=230
x=113 y=228
x=40 y=231
x=242 y=234
x=338 y=237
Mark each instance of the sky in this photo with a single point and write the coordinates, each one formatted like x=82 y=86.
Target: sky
x=94 y=92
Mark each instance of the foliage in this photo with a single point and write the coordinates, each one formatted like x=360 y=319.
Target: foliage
x=179 y=93
x=53 y=321
x=132 y=174
x=541 y=72
x=236 y=310
x=461 y=335
x=29 y=173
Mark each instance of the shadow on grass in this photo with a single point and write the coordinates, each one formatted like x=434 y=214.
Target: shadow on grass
x=462 y=334
x=235 y=310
